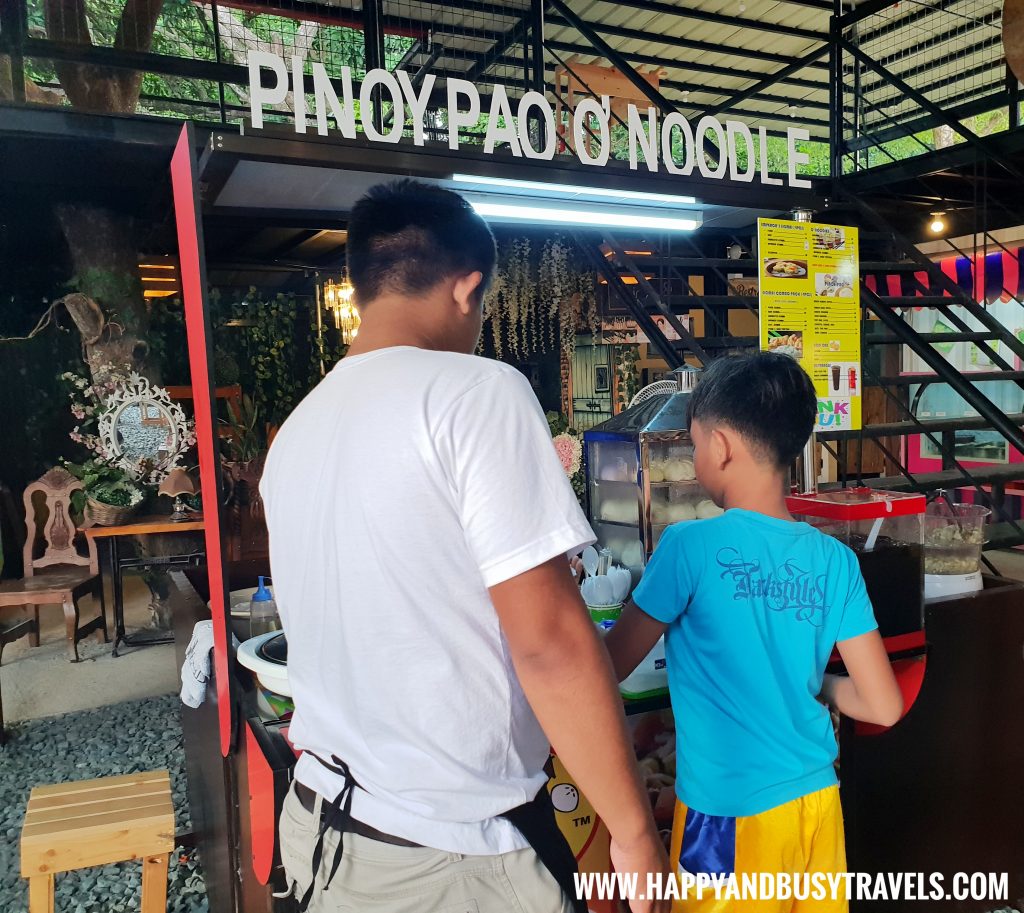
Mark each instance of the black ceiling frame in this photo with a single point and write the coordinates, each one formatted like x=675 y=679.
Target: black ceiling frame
x=493 y=80
x=673 y=84
x=699 y=88
x=890 y=28
x=772 y=79
x=739 y=22
x=931 y=44
x=482 y=6
x=673 y=41
x=934 y=64
x=952 y=80
x=589 y=31
x=967 y=104
x=669 y=62
x=943 y=116
x=970 y=109
x=514 y=36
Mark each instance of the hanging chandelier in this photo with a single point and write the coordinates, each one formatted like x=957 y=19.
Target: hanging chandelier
x=338 y=298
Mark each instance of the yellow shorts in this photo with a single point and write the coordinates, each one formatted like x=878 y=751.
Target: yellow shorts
x=805 y=835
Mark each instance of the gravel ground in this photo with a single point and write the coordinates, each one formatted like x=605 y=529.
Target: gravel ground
x=118 y=739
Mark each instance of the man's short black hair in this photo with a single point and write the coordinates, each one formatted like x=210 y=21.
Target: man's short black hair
x=407 y=236
x=767 y=398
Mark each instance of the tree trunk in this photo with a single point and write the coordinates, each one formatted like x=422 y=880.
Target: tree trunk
x=104 y=254
x=944 y=137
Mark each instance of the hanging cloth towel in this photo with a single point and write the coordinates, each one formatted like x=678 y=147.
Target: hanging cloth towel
x=195 y=671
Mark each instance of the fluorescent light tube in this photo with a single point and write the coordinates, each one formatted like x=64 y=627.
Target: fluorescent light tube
x=609 y=218
x=555 y=190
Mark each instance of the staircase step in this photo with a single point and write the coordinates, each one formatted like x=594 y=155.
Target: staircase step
x=934 y=425
x=930 y=337
x=973 y=376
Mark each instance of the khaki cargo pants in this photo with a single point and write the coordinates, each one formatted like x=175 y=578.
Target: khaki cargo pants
x=376 y=877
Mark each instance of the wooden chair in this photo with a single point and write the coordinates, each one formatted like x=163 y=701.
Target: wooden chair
x=97 y=822
x=67 y=574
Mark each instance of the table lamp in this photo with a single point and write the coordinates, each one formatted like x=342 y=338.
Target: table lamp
x=176 y=485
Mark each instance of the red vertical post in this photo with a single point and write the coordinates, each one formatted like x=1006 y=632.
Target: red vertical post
x=192 y=257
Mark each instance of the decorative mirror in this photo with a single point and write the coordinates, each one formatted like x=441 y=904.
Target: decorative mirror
x=142 y=430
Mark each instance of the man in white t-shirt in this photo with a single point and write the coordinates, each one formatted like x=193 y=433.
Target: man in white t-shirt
x=419 y=525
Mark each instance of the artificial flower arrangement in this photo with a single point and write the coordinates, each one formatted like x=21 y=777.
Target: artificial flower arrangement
x=569 y=447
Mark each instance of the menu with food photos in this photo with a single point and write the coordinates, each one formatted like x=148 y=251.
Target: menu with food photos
x=809 y=290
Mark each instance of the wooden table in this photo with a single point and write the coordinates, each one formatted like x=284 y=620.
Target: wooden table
x=142 y=526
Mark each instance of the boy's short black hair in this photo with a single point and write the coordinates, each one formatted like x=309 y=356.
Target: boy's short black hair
x=407 y=236
x=767 y=398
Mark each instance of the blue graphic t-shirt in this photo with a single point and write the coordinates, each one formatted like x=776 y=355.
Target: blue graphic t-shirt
x=754 y=606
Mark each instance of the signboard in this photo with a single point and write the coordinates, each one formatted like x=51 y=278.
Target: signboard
x=671 y=143
x=810 y=310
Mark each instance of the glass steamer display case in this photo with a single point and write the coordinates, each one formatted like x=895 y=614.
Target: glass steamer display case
x=640 y=475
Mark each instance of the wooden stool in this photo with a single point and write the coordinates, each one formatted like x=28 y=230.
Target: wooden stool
x=97 y=822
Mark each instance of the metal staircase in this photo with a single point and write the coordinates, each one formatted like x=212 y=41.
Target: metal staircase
x=660 y=285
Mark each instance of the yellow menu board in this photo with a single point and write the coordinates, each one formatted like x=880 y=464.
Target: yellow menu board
x=809 y=291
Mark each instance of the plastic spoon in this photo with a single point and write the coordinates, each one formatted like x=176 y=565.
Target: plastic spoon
x=621 y=579
x=600 y=591
x=590 y=560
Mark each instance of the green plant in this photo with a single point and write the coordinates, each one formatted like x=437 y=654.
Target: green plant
x=103 y=482
x=246 y=440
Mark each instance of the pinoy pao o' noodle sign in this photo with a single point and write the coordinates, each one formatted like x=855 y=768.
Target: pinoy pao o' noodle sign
x=649 y=139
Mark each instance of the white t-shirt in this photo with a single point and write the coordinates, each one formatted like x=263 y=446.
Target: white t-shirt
x=400 y=489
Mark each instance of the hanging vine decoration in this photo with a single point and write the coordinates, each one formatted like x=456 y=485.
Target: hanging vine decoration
x=539 y=300
x=627 y=375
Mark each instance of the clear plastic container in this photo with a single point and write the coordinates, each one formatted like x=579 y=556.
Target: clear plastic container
x=884 y=530
x=953 y=537
x=263 y=617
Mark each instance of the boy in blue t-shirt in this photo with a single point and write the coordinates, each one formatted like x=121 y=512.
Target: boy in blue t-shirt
x=752 y=604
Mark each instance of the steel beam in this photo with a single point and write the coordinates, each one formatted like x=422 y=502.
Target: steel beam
x=483 y=62
x=537 y=78
x=890 y=28
x=936 y=62
x=671 y=63
x=586 y=29
x=739 y=22
x=756 y=89
x=415 y=49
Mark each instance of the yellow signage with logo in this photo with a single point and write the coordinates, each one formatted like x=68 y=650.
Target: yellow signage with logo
x=809 y=288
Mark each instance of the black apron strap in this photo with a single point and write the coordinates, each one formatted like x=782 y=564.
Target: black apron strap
x=535 y=820
x=333 y=815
